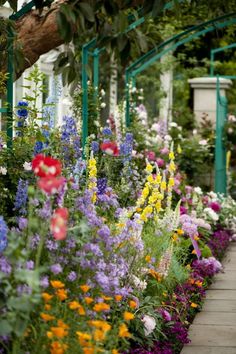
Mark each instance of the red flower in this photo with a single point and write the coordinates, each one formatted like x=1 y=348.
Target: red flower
x=51 y=185
x=59 y=223
x=46 y=166
x=110 y=148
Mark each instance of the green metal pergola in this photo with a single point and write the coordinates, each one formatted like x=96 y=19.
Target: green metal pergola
x=8 y=109
x=170 y=45
x=86 y=53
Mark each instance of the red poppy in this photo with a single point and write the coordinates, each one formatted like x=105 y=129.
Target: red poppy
x=110 y=148
x=51 y=185
x=59 y=223
x=46 y=166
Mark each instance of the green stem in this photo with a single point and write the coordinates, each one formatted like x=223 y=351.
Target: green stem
x=40 y=248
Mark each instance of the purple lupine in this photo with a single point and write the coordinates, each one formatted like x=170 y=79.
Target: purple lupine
x=21 y=197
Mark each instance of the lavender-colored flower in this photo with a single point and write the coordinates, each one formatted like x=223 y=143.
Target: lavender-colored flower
x=165 y=315
x=101 y=185
x=5 y=266
x=21 y=196
x=22 y=223
x=34 y=241
x=30 y=265
x=56 y=268
x=44 y=282
x=23 y=289
x=72 y=276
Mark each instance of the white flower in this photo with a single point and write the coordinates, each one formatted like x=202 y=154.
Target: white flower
x=103 y=105
x=168 y=138
x=27 y=166
x=213 y=195
x=211 y=213
x=138 y=283
x=173 y=124
x=194 y=131
x=133 y=89
x=3 y=170
x=198 y=190
x=203 y=142
x=103 y=93
x=155 y=127
x=149 y=324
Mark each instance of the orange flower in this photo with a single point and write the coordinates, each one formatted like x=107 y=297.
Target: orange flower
x=58 y=348
x=84 y=338
x=106 y=298
x=47 y=297
x=198 y=283
x=114 y=351
x=61 y=294
x=128 y=316
x=62 y=324
x=118 y=297
x=180 y=231
x=194 y=252
x=88 y=300
x=148 y=258
x=59 y=332
x=99 y=335
x=57 y=284
x=193 y=305
x=133 y=304
x=46 y=317
x=74 y=305
x=155 y=274
x=101 y=306
x=47 y=307
x=85 y=288
x=81 y=311
x=123 y=331
x=88 y=350
x=175 y=237
x=105 y=326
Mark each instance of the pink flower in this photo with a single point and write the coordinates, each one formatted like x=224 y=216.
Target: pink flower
x=59 y=223
x=183 y=210
x=164 y=151
x=215 y=206
x=110 y=148
x=51 y=185
x=165 y=315
x=151 y=155
x=46 y=166
x=160 y=162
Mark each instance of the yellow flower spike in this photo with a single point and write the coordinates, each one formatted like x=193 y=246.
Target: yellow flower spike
x=149 y=168
x=171 y=155
x=180 y=231
x=150 y=179
x=172 y=167
x=128 y=316
x=163 y=185
x=179 y=149
x=171 y=182
x=158 y=206
x=175 y=237
x=123 y=331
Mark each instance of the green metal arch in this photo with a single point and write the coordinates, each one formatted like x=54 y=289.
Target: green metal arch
x=152 y=56
x=217 y=50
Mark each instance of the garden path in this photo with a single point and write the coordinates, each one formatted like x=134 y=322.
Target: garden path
x=213 y=330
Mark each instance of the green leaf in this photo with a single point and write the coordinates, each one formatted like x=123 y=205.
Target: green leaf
x=64 y=27
x=5 y=328
x=87 y=11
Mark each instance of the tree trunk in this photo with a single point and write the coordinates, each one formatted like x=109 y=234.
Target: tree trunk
x=38 y=34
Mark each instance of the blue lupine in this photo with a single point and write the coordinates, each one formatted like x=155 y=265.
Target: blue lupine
x=95 y=146
x=3 y=234
x=21 y=197
x=106 y=131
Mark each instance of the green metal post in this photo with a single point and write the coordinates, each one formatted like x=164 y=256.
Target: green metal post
x=220 y=153
x=10 y=69
x=96 y=70
x=212 y=63
x=127 y=95
x=84 y=96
